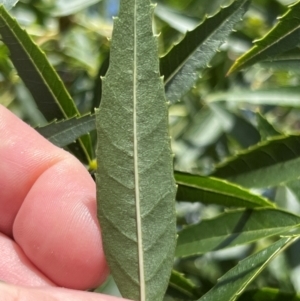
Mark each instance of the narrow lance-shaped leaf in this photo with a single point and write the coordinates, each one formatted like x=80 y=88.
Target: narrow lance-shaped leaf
x=283 y=36
x=208 y=190
x=67 y=131
x=268 y=163
x=282 y=96
x=135 y=184
x=232 y=284
x=234 y=228
x=39 y=76
x=268 y=294
x=181 y=66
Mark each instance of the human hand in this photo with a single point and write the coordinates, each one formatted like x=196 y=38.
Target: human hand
x=49 y=233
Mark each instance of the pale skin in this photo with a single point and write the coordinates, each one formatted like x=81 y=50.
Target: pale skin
x=49 y=232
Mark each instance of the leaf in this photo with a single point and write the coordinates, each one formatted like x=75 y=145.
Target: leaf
x=233 y=228
x=183 y=285
x=39 y=76
x=268 y=163
x=265 y=128
x=135 y=184
x=283 y=96
x=283 y=36
x=268 y=294
x=232 y=284
x=194 y=188
x=181 y=66
x=65 y=8
x=67 y=131
x=176 y=20
x=287 y=61
x=8 y=4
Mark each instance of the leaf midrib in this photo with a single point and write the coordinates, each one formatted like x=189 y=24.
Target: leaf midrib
x=136 y=169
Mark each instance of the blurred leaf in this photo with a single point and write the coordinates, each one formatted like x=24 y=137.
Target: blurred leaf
x=67 y=131
x=181 y=66
x=39 y=76
x=233 y=228
x=183 y=285
x=232 y=284
x=283 y=96
x=283 y=36
x=294 y=186
x=265 y=128
x=63 y=8
x=287 y=61
x=8 y=4
x=174 y=19
x=194 y=188
x=268 y=294
x=266 y=164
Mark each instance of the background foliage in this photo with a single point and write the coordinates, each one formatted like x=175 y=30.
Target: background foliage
x=242 y=127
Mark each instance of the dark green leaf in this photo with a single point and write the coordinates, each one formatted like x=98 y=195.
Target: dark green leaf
x=39 y=76
x=268 y=294
x=194 y=188
x=267 y=164
x=233 y=228
x=181 y=66
x=67 y=131
x=183 y=285
x=283 y=36
x=265 y=128
x=232 y=284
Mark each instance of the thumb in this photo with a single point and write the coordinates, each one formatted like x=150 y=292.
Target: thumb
x=10 y=292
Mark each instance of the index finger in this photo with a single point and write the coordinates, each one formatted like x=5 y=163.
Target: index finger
x=48 y=206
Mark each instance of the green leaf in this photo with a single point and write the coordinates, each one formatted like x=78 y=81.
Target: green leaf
x=65 y=8
x=67 y=131
x=268 y=294
x=265 y=128
x=8 y=4
x=294 y=187
x=268 y=163
x=135 y=184
x=283 y=96
x=194 y=188
x=283 y=36
x=287 y=61
x=181 y=66
x=233 y=228
x=183 y=285
x=232 y=284
x=39 y=76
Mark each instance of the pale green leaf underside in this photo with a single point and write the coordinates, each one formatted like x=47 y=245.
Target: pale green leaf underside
x=207 y=190
x=283 y=36
x=232 y=284
x=283 y=96
x=135 y=184
x=233 y=228
x=65 y=8
x=8 y=4
x=181 y=66
x=269 y=163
